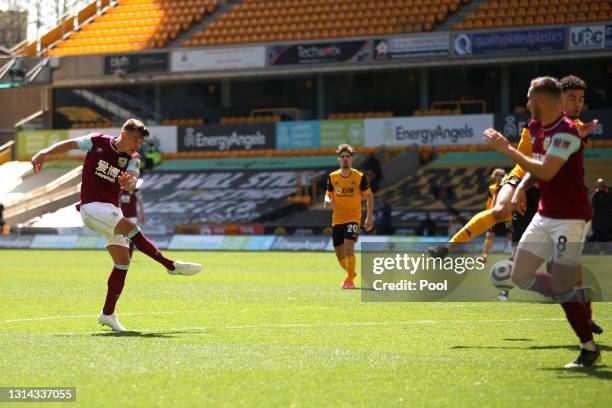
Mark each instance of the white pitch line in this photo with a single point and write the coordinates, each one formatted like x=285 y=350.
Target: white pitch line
x=33 y=319
x=352 y=324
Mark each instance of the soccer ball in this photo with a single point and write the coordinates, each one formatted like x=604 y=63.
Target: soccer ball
x=500 y=274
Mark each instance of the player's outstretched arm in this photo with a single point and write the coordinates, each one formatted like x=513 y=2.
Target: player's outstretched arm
x=544 y=170
x=61 y=147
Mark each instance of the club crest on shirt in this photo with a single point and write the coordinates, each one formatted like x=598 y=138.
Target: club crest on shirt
x=546 y=143
x=123 y=161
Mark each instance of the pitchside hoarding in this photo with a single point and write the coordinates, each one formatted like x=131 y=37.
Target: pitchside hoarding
x=587 y=37
x=397 y=48
x=507 y=42
x=335 y=132
x=431 y=130
x=513 y=124
x=30 y=142
x=218 y=59
x=298 y=135
x=136 y=63
x=164 y=137
x=319 y=53
x=226 y=137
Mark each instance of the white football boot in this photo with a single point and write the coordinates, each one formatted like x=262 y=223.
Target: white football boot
x=185 y=268
x=112 y=322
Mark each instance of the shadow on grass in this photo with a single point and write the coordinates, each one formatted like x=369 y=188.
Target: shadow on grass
x=143 y=334
x=560 y=347
x=599 y=371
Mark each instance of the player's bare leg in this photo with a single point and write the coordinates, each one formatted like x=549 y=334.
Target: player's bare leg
x=500 y=212
x=558 y=285
x=349 y=251
x=130 y=230
x=573 y=302
x=342 y=260
x=524 y=270
x=487 y=246
x=595 y=327
x=116 y=281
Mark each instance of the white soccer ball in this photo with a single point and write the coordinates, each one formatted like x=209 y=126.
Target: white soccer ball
x=501 y=273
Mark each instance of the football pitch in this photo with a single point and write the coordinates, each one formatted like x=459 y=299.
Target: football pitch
x=275 y=329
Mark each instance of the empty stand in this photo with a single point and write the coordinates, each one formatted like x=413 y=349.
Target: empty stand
x=197 y=192
x=360 y=115
x=251 y=119
x=183 y=122
x=133 y=25
x=520 y=13
x=258 y=21
x=84 y=118
x=436 y=112
x=467 y=174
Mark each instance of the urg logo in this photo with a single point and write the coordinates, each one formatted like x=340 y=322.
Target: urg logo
x=587 y=37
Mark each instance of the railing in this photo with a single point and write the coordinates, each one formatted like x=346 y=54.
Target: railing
x=6 y=152
x=64 y=25
x=60 y=188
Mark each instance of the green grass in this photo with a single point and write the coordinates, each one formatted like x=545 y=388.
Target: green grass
x=274 y=329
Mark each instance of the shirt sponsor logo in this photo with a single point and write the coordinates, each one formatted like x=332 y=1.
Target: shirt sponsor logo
x=107 y=171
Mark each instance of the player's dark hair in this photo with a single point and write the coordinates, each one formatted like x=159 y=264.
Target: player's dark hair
x=134 y=125
x=572 y=83
x=547 y=85
x=345 y=148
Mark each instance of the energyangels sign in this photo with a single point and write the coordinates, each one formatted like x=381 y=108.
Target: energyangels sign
x=431 y=130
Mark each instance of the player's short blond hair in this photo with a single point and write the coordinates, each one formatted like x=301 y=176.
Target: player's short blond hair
x=345 y=148
x=546 y=85
x=135 y=125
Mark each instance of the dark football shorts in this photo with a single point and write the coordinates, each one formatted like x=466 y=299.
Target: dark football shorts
x=514 y=181
x=500 y=229
x=521 y=222
x=340 y=232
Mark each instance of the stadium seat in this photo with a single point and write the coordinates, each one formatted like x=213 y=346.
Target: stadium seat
x=538 y=12
x=273 y=20
x=132 y=25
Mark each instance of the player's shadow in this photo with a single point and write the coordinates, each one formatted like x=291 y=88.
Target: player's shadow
x=534 y=347
x=599 y=371
x=145 y=335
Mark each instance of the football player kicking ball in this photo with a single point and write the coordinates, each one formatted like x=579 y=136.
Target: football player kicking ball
x=112 y=163
x=346 y=188
x=557 y=230
x=526 y=195
x=501 y=210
